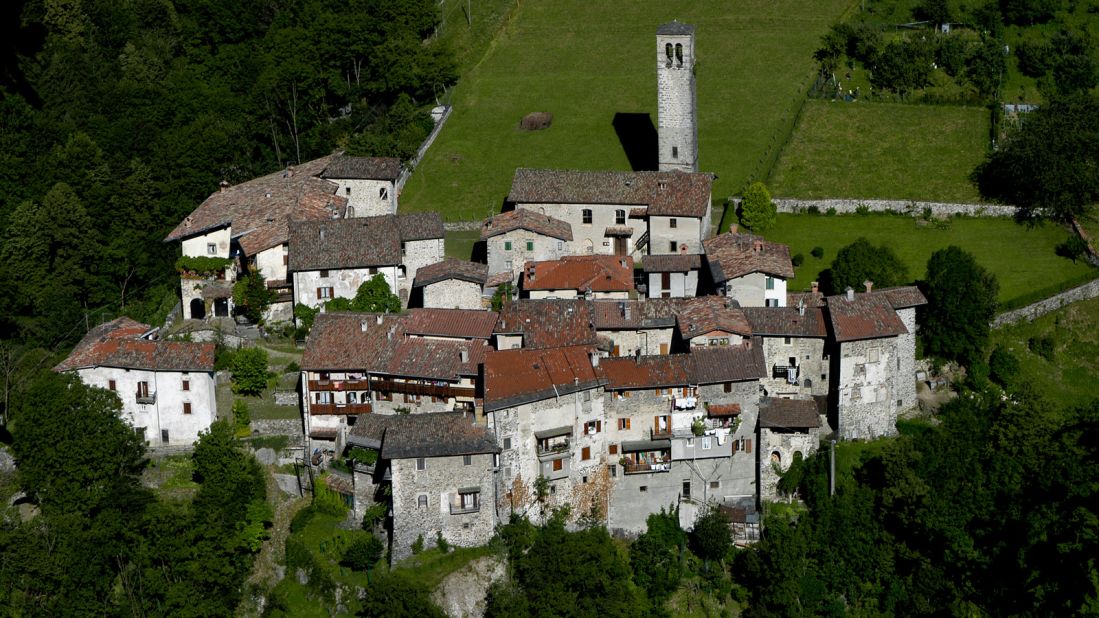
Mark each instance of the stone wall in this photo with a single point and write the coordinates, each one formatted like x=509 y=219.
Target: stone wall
x=452 y=294
x=277 y=427
x=867 y=394
x=784 y=444
x=1035 y=310
x=909 y=207
x=812 y=366
x=676 y=118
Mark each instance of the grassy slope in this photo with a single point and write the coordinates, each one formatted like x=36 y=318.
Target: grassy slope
x=1021 y=258
x=883 y=150
x=586 y=61
x=1072 y=376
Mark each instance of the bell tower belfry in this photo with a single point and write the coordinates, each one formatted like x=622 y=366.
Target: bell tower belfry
x=676 y=108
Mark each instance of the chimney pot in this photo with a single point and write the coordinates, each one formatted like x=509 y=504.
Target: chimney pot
x=816 y=286
x=379 y=318
x=223 y=185
x=733 y=228
x=801 y=307
x=362 y=325
x=594 y=359
x=869 y=285
x=850 y=293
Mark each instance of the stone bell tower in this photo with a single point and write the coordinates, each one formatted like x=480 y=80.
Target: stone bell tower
x=675 y=87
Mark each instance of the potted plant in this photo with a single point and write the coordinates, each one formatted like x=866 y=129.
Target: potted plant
x=698 y=427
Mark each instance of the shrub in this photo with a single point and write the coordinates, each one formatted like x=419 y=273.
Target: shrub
x=326 y=500
x=797 y=260
x=862 y=209
x=831 y=211
x=817 y=252
x=362 y=553
x=1042 y=346
x=301 y=520
x=250 y=373
x=711 y=538
x=202 y=265
x=757 y=211
x=298 y=555
x=1072 y=248
x=373 y=515
x=241 y=416
x=292 y=367
x=418 y=545
x=366 y=456
x=440 y=542
x=813 y=210
x=1003 y=366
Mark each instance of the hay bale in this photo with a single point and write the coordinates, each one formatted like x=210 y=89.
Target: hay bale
x=536 y=121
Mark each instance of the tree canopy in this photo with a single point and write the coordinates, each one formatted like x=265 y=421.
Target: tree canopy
x=861 y=261
x=1049 y=166
x=961 y=299
x=757 y=211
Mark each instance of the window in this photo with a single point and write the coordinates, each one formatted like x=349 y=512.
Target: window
x=613 y=449
x=467 y=460
x=347 y=190
x=469 y=500
x=402 y=271
x=560 y=245
x=507 y=245
x=142 y=390
x=643 y=488
x=507 y=443
x=383 y=193
x=584 y=479
x=593 y=427
x=715 y=484
x=770 y=283
x=164 y=436
x=558 y=465
x=728 y=387
x=530 y=245
x=787 y=340
x=707 y=443
x=553 y=490
x=324 y=273
x=585 y=453
x=586 y=216
x=285 y=260
x=111 y=385
x=186 y=407
x=324 y=293
x=620 y=217
x=672 y=223
x=687 y=489
x=690 y=442
x=613 y=469
x=404 y=249
x=324 y=397
x=421 y=464
x=507 y=265
x=672 y=247
x=675 y=152
x=421 y=501
x=771 y=302
x=873 y=355
x=211 y=248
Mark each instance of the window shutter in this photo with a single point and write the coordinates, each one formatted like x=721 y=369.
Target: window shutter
x=598 y=426
x=186 y=408
x=585 y=453
x=111 y=384
x=748 y=445
x=613 y=449
x=319 y=294
x=736 y=445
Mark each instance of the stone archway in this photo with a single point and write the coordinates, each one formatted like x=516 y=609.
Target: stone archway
x=198 y=309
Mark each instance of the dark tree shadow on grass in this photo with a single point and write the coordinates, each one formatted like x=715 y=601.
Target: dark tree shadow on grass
x=639 y=139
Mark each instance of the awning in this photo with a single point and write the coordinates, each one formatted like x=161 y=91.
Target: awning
x=646 y=445
x=553 y=433
x=618 y=230
x=469 y=490
x=727 y=409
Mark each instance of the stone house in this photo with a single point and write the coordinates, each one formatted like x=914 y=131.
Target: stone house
x=425 y=360
x=620 y=213
x=600 y=277
x=249 y=225
x=331 y=259
x=369 y=184
x=748 y=269
x=866 y=384
x=515 y=237
x=545 y=408
x=904 y=301
x=441 y=470
x=788 y=429
x=546 y=323
x=450 y=284
x=672 y=276
x=794 y=346
x=636 y=327
x=677 y=110
x=166 y=387
x=711 y=321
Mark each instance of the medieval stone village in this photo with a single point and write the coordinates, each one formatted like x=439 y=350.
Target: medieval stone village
x=611 y=357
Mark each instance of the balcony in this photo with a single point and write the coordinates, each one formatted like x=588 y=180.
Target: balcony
x=457 y=509
x=339 y=385
x=318 y=409
x=647 y=468
x=662 y=434
x=785 y=372
x=549 y=451
x=146 y=398
x=416 y=388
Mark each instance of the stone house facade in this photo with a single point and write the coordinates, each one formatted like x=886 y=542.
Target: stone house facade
x=748 y=269
x=794 y=349
x=676 y=107
x=450 y=284
x=369 y=184
x=166 y=387
x=516 y=237
x=672 y=276
x=788 y=429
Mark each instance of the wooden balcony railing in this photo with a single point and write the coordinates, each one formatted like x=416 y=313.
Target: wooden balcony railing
x=339 y=409
x=147 y=398
x=413 y=388
x=647 y=468
x=339 y=385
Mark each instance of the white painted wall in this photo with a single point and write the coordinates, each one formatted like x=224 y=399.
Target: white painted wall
x=271 y=263
x=345 y=282
x=198 y=246
x=751 y=291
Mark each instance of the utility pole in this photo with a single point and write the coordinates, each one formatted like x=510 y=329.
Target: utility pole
x=832 y=469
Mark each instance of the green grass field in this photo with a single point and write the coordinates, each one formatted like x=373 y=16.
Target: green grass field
x=1071 y=378
x=586 y=61
x=1022 y=258
x=883 y=150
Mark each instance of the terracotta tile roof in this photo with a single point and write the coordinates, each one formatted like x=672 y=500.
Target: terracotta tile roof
x=118 y=343
x=217 y=289
x=788 y=414
x=671 y=263
x=363 y=168
x=260 y=209
x=646 y=372
x=451 y=268
x=597 y=273
x=548 y=323
x=903 y=297
x=496 y=280
x=868 y=316
x=723 y=409
x=733 y=255
x=515 y=377
x=462 y=323
x=522 y=219
x=704 y=314
x=664 y=193
x=787 y=321
x=441 y=434
x=727 y=363
x=378 y=344
x=811 y=299
x=359 y=242
x=636 y=314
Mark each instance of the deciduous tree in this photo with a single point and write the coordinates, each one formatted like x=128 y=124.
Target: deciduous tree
x=757 y=211
x=961 y=299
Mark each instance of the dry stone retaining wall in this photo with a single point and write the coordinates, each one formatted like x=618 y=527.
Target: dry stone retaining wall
x=910 y=207
x=1053 y=303
x=277 y=427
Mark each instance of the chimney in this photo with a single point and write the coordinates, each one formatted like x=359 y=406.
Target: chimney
x=801 y=306
x=850 y=293
x=622 y=262
x=223 y=185
x=626 y=311
x=758 y=246
x=362 y=325
x=733 y=228
x=869 y=285
x=389 y=336
x=815 y=286
x=290 y=171
x=322 y=231
x=379 y=318
x=637 y=356
x=594 y=359
x=464 y=355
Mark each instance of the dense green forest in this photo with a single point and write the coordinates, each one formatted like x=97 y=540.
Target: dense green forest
x=119 y=118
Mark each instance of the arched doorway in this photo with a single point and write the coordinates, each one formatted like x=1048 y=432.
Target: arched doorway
x=198 y=309
x=221 y=307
